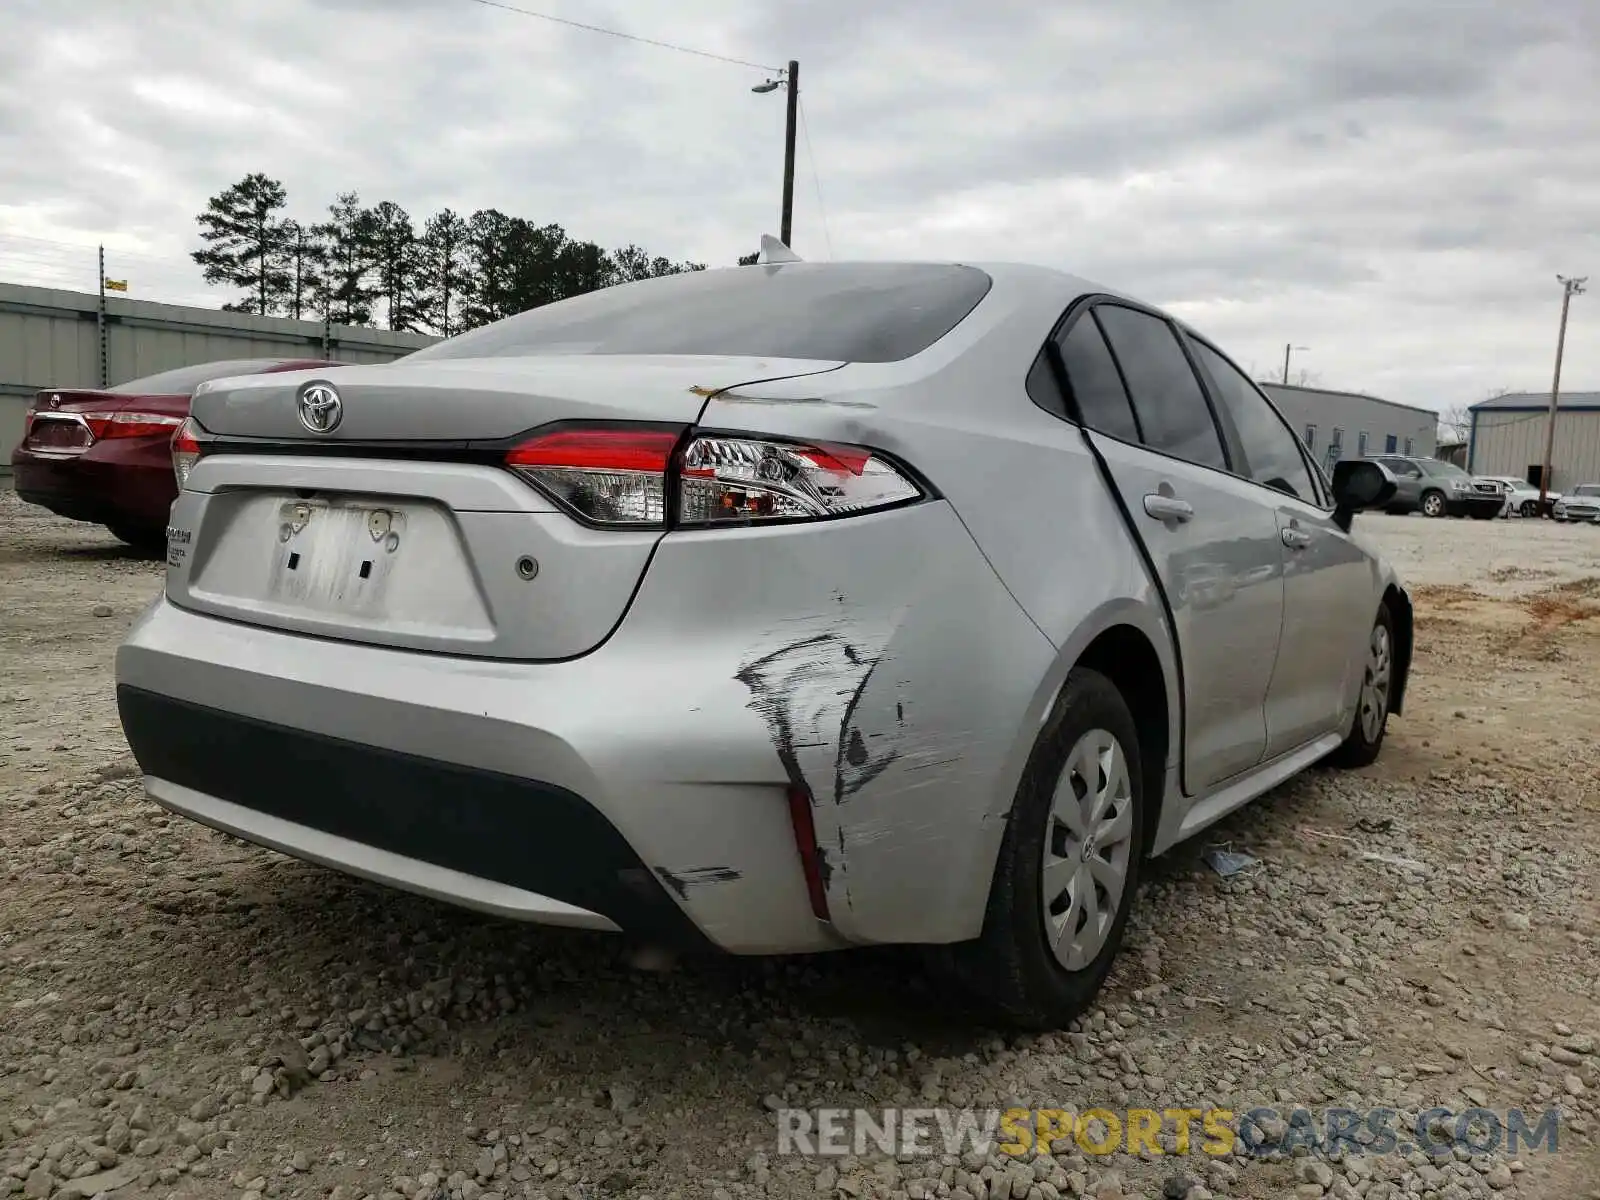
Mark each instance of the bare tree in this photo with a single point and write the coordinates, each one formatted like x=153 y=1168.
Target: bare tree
x=1455 y=420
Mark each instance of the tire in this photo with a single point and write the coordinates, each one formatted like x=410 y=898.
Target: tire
x=1432 y=504
x=1530 y=508
x=145 y=539
x=1012 y=967
x=1364 y=742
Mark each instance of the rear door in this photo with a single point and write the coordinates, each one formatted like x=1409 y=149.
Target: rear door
x=1213 y=543
x=1328 y=601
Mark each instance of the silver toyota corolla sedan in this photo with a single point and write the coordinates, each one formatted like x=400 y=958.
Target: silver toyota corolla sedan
x=774 y=609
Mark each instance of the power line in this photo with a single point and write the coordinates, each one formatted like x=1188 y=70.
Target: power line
x=629 y=37
x=90 y=247
x=816 y=177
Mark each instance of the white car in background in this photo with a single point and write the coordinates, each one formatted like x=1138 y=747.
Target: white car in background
x=1522 y=497
x=1582 y=503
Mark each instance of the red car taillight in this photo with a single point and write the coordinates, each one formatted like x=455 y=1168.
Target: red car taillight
x=627 y=478
x=130 y=424
x=605 y=476
x=186 y=450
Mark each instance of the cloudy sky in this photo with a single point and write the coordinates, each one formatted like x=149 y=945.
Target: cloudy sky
x=1393 y=184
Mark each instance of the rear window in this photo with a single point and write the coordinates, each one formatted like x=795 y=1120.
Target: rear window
x=180 y=381
x=852 y=312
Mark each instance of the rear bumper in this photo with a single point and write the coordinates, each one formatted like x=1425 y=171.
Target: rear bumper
x=118 y=482
x=513 y=847
x=647 y=782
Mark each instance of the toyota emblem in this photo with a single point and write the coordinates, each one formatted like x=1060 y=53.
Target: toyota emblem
x=321 y=410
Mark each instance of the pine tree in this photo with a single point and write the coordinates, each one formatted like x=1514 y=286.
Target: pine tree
x=445 y=273
x=634 y=262
x=305 y=258
x=749 y=260
x=396 y=260
x=492 y=237
x=244 y=236
x=348 y=242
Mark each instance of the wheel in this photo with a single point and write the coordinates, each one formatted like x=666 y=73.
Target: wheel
x=141 y=537
x=1068 y=865
x=1361 y=747
x=1432 y=504
x=1530 y=508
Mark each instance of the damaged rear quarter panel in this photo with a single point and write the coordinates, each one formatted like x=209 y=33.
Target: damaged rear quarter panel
x=891 y=690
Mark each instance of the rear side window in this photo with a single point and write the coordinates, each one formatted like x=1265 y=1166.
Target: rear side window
x=1096 y=386
x=1167 y=397
x=1271 y=453
x=851 y=312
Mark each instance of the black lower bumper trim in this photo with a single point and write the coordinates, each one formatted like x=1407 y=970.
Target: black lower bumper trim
x=520 y=832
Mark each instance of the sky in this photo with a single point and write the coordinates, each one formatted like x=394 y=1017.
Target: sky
x=1391 y=184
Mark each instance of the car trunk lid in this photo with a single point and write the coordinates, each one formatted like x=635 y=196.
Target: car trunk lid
x=66 y=421
x=399 y=526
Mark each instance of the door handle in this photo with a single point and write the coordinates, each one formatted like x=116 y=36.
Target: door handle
x=1168 y=508
x=1295 y=539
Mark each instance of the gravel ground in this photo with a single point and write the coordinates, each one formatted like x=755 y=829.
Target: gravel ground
x=184 y=1015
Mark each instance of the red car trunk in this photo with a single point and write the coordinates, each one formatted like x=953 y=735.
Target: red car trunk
x=104 y=456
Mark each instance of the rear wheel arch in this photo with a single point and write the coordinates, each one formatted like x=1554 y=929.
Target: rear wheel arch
x=1126 y=657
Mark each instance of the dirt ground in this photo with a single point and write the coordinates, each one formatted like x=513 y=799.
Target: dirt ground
x=185 y=1015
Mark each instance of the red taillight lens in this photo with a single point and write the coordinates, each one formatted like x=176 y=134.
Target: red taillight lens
x=130 y=424
x=618 y=476
x=734 y=479
x=186 y=450
x=605 y=476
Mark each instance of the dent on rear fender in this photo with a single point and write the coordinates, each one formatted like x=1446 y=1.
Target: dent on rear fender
x=840 y=717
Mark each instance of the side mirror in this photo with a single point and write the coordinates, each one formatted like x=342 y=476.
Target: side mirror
x=1359 y=483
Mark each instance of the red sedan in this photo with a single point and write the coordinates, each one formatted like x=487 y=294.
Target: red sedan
x=106 y=457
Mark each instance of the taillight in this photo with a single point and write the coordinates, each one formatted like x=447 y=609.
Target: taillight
x=624 y=477
x=130 y=424
x=743 y=480
x=605 y=476
x=186 y=450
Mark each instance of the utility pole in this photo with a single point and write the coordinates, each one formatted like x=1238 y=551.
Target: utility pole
x=790 y=80
x=1569 y=288
x=299 y=265
x=100 y=324
x=786 y=225
x=1286 y=351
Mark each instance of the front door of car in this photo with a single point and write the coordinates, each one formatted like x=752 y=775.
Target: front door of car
x=1213 y=545
x=1328 y=605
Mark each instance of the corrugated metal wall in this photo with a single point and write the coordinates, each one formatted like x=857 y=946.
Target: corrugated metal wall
x=1506 y=442
x=1340 y=425
x=50 y=338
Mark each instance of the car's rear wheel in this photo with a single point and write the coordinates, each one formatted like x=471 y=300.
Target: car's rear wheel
x=1068 y=866
x=1362 y=745
x=144 y=538
x=1530 y=508
x=1432 y=504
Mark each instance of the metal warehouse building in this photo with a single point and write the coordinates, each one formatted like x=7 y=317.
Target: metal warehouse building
x=51 y=338
x=1338 y=425
x=1508 y=435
